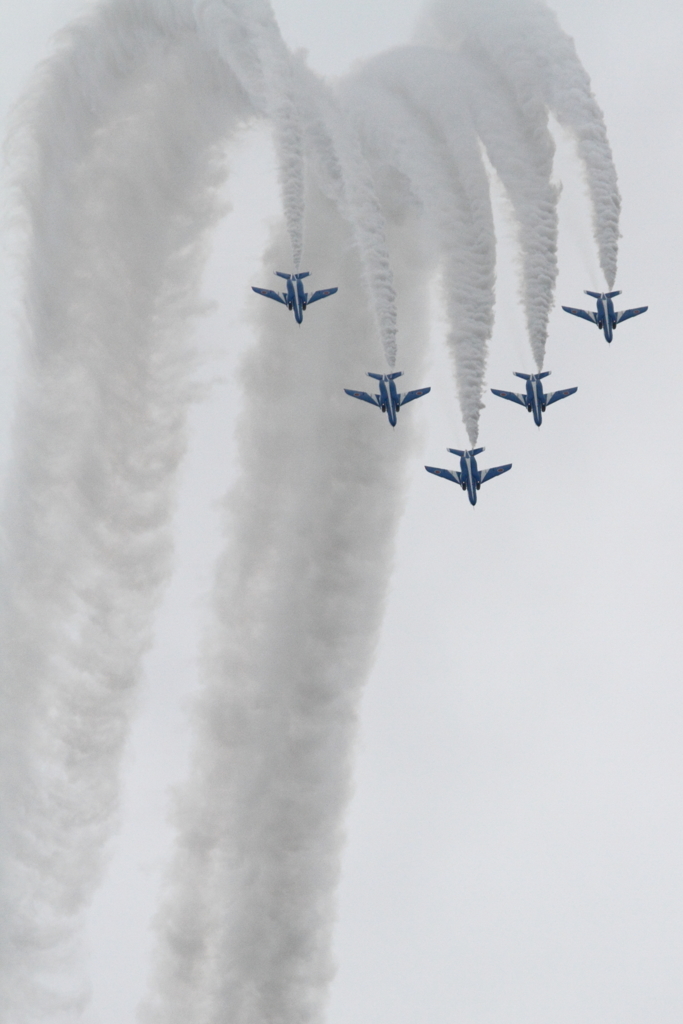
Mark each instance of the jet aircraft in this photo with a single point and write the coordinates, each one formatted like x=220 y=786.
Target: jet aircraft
x=605 y=318
x=388 y=399
x=535 y=399
x=295 y=298
x=470 y=476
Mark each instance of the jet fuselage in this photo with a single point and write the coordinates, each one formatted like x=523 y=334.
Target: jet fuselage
x=296 y=298
x=390 y=401
x=470 y=476
x=607 y=319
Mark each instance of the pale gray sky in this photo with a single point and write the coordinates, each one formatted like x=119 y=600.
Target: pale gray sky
x=514 y=844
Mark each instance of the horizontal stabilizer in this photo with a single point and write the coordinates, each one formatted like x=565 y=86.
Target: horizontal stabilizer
x=555 y=396
x=269 y=294
x=386 y=376
x=445 y=473
x=496 y=471
x=322 y=294
x=511 y=396
x=292 y=277
x=584 y=313
x=626 y=314
x=599 y=295
x=411 y=395
x=364 y=396
x=472 y=451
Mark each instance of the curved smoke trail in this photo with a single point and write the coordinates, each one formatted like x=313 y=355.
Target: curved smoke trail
x=299 y=592
x=120 y=155
x=526 y=47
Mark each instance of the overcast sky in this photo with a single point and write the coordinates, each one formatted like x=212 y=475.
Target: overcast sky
x=514 y=843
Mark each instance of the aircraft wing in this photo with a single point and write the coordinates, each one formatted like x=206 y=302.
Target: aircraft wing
x=585 y=313
x=555 y=396
x=322 y=294
x=626 y=314
x=364 y=396
x=496 y=471
x=410 y=395
x=511 y=396
x=446 y=473
x=269 y=294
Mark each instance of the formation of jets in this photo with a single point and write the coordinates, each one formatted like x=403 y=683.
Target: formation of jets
x=389 y=401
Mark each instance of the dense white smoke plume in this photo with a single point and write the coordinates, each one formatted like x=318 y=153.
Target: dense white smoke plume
x=119 y=152
x=298 y=602
x=111 y=282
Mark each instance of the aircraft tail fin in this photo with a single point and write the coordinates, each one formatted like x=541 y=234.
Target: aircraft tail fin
x=292 y=277
x=386 y=376
x=598 y=295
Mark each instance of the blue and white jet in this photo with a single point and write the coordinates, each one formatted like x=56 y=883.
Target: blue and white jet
x=470 y=476
x=388 y=399
x=535 y=399
x=295 y=298
x=606 y=319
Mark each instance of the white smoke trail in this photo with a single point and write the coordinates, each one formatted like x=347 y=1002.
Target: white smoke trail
x=515 y=132
x=524 y=41
x=419 y=129
x=114 y=260
x=365 y=214
x=248 y=38
x=521 y=151
x=246 y=930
